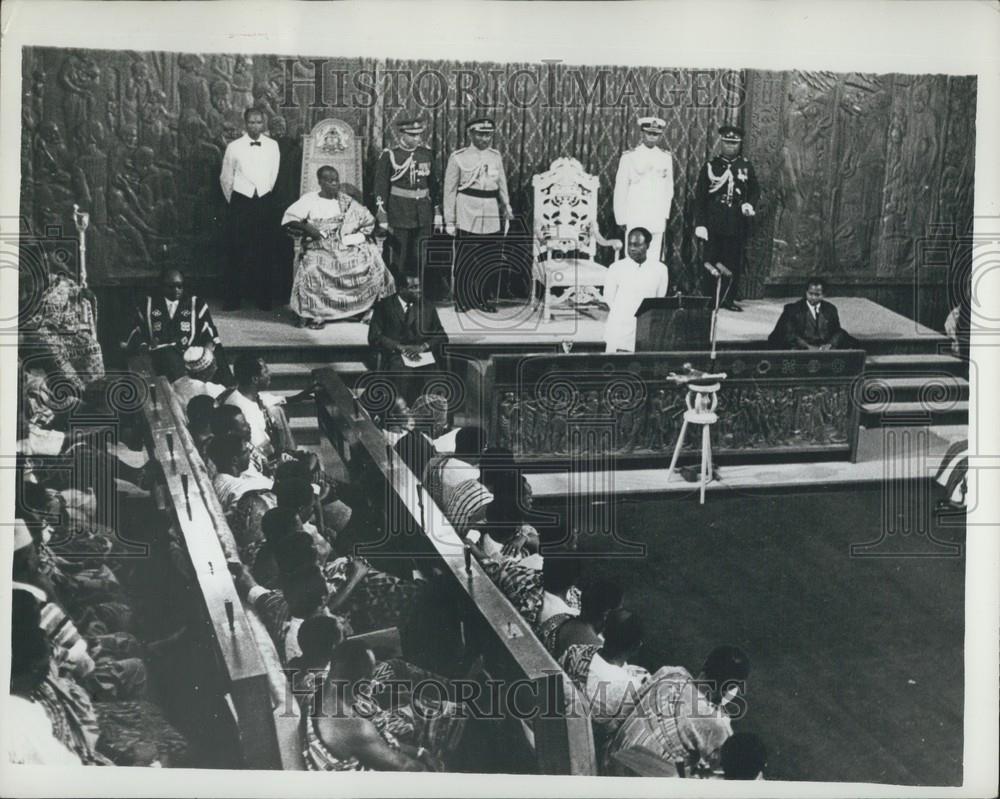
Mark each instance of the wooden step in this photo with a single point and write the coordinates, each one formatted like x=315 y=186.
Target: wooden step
x=292 y=375
x=945 y=412
x=943 y=387
x=914 y=364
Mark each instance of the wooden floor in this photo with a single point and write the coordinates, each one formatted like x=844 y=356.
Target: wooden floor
x=516 y=323
x=857 y=662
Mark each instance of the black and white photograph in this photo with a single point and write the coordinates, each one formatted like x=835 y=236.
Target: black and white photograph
x=576 y=399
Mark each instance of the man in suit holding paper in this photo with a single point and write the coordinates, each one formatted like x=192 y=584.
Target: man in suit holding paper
x=407 y=332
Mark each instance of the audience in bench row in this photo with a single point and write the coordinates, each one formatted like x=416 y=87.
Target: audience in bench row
x=668 y=718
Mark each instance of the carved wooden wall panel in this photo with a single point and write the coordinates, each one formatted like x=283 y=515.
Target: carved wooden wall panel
x=854 y=168
x=859 y=171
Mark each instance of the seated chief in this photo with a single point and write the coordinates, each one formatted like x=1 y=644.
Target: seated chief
x=811 y=323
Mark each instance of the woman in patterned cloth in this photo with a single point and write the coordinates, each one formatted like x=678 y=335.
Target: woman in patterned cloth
x=340 y=273
x=348 y=731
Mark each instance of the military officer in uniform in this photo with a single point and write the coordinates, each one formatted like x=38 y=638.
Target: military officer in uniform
x=644 y=185
x=405 y=191
x=725 y=200
x=475 y=199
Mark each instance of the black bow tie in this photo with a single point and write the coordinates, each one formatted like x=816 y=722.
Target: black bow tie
x=255 y=144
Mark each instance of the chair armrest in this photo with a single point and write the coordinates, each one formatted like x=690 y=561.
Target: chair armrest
x=615 y=243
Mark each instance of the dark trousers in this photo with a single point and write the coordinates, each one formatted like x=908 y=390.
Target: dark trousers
x=250 y=250
x=727 y=250
x=479 y=262
x=408 y=250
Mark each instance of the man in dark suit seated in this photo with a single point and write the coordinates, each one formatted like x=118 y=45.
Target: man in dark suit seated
x=407 y=333
x=811 y=323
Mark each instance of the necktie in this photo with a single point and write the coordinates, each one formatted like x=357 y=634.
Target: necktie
x=255 y=144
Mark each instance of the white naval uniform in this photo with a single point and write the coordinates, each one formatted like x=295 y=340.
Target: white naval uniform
x=644 y=191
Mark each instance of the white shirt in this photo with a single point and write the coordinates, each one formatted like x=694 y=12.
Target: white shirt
x=310 y=207
x=254 y=415
x=187 y=388
x=445 y=444
x=552 y=605
x=171 y=306
x=30 y=739
x=249 y=170
x=454 y=473
x=644 y=188
x=626 y=286
x=610 y=686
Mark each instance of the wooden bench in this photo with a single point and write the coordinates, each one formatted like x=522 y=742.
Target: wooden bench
x=563 y=743
x=245 y=653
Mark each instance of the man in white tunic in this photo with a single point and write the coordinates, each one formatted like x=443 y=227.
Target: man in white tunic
x=629 y=282
x=644 y=185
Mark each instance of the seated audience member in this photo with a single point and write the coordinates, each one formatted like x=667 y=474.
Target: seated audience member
x=269 y=430
x=35 y=741
x=170 y=320
x=34 y=677
x=231 y=456
x=564 y=630
x=505 y=535
x=602 y=671
x=317 y=638
x=529 y=588
x=811 y=323
x=743 y=757
x=427 y=419
x=446 y=472
x=679 y=719
x=560 y=595
x=199 y=412
x=199 y=367
x=344 y=734
x=466 y=506
x=406 y=332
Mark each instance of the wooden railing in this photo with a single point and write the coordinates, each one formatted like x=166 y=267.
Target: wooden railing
x=563 y=742
x=245 y=652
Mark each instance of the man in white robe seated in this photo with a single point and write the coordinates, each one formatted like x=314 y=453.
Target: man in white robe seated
x=630 y=281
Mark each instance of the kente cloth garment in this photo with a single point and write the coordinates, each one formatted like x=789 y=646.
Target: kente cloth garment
x=35 y=742
x=74 y=721
x=136 y=733
x=952 y=474
x=674 y=720
x=445 y=473
x=611 y=690
x=521 y=583
x=334 y=280
x=380 y=600
x=245 y=522
x=467 y=505
x=318 y=756
x=66 y=325
x=548 y=630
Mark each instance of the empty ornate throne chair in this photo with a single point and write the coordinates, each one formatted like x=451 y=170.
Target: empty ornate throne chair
x=566 y=238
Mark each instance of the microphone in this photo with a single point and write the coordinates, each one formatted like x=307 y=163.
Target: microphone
x=711 y=269
x=726 y=272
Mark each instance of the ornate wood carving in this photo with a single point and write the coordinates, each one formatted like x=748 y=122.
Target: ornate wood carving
x=779 y=402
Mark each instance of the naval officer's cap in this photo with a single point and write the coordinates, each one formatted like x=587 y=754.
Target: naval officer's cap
x=481 y=125
x=652 y=124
